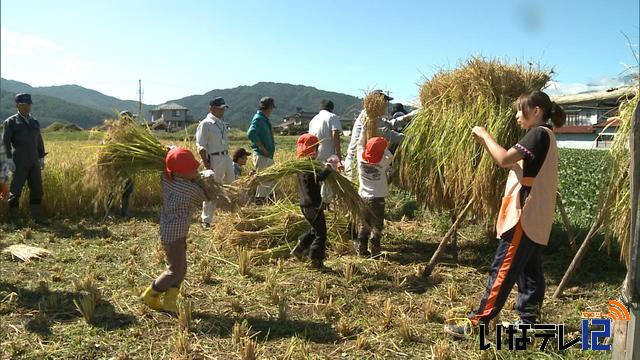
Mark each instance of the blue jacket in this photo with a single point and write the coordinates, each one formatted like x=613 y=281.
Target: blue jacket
x=260 y=130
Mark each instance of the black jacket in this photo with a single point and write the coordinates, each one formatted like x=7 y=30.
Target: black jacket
x=309 y=185
x=23 y=136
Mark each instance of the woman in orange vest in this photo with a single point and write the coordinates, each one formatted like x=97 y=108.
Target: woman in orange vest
x=526 y=214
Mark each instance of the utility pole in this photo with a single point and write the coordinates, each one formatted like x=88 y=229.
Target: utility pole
x=139 y=99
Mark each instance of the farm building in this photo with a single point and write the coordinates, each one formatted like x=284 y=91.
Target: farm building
x=172 y=115
x=591 y=118
x=298 y=122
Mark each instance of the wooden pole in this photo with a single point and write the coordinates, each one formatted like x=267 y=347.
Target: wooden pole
x=575 y=263
x=443 y=243
x=567 y=224
x=629 y=348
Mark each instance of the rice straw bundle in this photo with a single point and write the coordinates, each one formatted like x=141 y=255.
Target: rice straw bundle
x=25 y=252
x=130 y=149
x=346 y=193
x=439 y=161
x=275 y=228
x=618 y=199
x=375 y=107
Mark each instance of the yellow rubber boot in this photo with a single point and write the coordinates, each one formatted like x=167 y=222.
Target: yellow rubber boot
x=169 y=301
x=151 y=298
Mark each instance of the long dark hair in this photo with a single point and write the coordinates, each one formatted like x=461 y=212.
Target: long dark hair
x=550 y=110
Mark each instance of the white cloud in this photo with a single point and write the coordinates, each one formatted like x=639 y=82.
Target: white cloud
x=603 y=83
x=40 y=61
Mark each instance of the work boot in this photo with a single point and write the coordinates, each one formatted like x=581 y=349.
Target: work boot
x=169 y=303
x=318 y=264
x=298 y=251
x=151 y=298
x=36 y=215
x=361 y=249
x=14 y=217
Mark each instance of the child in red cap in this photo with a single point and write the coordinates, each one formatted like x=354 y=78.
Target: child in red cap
x=374 y=160
x=181 y=196
x=311 y=204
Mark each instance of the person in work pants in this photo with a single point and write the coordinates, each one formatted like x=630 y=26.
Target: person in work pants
x=260 y=133
x=374 y=160
x=181 y=196
x=213 y=146
x=523 y=230
x=22 y=134
x=314 y=239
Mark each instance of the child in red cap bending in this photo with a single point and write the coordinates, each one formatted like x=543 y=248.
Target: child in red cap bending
x=315 y=238
x=181 y=196
x=374 y=160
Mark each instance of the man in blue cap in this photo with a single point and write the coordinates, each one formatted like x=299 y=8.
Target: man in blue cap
x=25 y=158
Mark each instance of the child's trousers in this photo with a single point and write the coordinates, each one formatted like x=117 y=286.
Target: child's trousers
x=176 y=253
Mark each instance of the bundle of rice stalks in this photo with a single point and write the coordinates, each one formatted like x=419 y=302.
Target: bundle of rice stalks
x=130 y=149
x=25 y=252
x=618 y=198
x=273 y=230
x=375 y=107
x=440 y=162
x=345 y=192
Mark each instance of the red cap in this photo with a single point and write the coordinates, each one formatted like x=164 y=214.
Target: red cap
x=180 y=160
x=305 y=145
x=374 y=151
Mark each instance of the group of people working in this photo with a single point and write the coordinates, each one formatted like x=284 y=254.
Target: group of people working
x=523 y=224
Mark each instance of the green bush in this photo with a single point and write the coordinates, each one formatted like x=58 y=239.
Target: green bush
x=582 y=174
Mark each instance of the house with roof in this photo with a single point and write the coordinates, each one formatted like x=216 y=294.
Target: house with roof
x=592 y=118
x=172 y=115
x=298 y=122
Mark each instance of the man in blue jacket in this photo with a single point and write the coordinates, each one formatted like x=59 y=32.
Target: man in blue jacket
x=25 y=158
x=260 y=134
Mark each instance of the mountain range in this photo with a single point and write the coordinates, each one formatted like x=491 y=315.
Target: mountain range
x=88 y=108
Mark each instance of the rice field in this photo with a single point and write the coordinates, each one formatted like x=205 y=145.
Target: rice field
x=243 y=297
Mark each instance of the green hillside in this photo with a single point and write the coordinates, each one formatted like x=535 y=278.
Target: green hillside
x=243 y=101
x=49 y=109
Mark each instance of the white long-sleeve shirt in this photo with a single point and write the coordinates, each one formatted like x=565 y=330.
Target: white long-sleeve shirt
x=373 y=177
x=212 y=135
x=385 y=127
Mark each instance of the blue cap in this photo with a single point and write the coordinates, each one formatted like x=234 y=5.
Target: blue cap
x=23 y=99
x=218 y=102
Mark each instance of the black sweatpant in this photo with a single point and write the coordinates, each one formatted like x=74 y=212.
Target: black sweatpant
x=314 y=239
x=517 y=260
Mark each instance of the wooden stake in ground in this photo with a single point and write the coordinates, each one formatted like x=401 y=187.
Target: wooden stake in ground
x=565 y=220
x=575 y=263
x=443 y=243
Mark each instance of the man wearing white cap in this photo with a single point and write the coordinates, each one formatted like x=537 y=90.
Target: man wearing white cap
x=213 y=145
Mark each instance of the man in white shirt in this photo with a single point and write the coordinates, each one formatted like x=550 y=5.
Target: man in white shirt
x=327 y=128
x=213 y=146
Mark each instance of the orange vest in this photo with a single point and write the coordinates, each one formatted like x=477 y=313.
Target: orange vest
x=537 y=215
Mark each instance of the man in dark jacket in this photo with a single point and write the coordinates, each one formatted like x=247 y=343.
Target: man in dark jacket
x=25 y=158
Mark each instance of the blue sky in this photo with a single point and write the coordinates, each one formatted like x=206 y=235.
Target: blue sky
x=180 y=48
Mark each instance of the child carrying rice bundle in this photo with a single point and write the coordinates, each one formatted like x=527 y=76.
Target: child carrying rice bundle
x=181 y=196
x=314 y=240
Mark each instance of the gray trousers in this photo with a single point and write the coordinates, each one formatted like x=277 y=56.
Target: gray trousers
x=371 y=229
x=31 y=174
x=176 y=253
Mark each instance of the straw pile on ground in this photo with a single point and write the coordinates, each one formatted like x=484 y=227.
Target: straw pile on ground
x=345 y=192
x=375 y=107
x=440 y=162
x=618 y=198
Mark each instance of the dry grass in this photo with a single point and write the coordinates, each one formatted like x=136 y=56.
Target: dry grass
x=442 y=165
x=375 y=107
